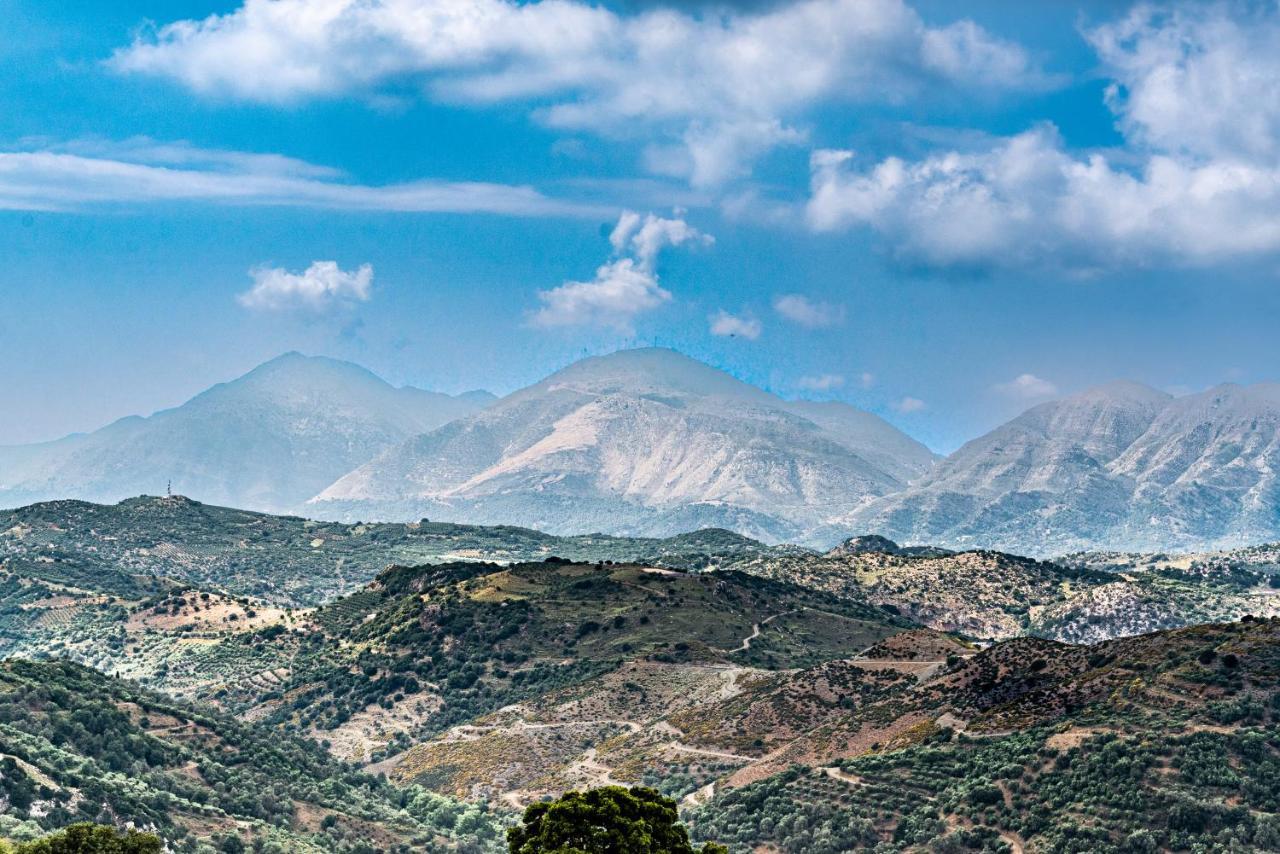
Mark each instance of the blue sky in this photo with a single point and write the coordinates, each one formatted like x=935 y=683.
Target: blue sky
x=941 y=219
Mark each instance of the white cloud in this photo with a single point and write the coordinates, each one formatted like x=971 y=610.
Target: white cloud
x=644 y=237
x=866 y=379
x=1196 y=79
x=728 y=325
x=624 y=287
x=77 y=175
x=908 y=405
x=620 y=291
x=798 y=308
x=1027 y=201
x=821 y=382
x=321 y=286
x=1198 y=182
x=1027 y=387
x=715 y=90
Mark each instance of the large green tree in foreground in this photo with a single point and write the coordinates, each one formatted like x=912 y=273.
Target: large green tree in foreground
x=86 y=838
x=608 y=820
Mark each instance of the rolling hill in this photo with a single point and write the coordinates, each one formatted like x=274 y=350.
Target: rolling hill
x=994 y=595
x=1032 y=745
x=788 y=699
x=289 y=560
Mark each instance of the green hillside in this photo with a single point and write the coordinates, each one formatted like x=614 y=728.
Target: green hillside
x=288 y=560
x=1164 y=742
x=430 y=647
x=80 y=746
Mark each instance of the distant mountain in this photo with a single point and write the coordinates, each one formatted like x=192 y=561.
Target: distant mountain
x=652 y=443
x=268 y=440
x=639 y=442
x=1122 y=467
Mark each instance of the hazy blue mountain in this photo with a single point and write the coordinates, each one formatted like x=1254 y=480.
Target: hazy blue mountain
x=640 y=441
x=1122 y=466
x=650 y=442
x=268 y=440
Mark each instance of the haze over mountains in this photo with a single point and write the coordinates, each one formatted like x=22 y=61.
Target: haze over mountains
x=268 y=440
x=1121 y=466
x=640 y=442
x=652 y=442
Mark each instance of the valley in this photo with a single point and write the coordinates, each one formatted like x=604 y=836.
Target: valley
x=639 y=427
x=722 y=671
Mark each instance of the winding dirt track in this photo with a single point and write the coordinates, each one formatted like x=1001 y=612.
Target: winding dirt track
x=684 y=748
x=837 y=774
x=755 y=633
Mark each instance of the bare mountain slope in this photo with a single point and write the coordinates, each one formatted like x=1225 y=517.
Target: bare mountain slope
x=1121 y=466
x=1206 y=470
x=268 y=440
x=640 y=441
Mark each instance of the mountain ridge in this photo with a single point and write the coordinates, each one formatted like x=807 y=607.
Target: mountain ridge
x=267 y=439
x=650 y=442
x=646 y=435
x=1119 y=467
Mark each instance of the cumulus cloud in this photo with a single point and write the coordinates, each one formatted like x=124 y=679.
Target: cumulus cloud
x=801 y=310
x=1198 y=183
x=76 y=175
x=620 y=291
x=1027 y=201
x=1027 y=387
x=625 y=287
x=728 y=325
x=710 y=91
x=318 y=288
x=821 y=382
x=644 y=237
x=1196 y=79
x=908 y=405
x=866 y=379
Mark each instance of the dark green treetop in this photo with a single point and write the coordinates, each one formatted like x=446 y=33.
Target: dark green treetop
x=607 y=820
x=87 y=838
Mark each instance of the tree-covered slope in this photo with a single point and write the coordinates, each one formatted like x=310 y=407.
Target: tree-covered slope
x=1166 y=742
x=287 y=559
x=78 y=745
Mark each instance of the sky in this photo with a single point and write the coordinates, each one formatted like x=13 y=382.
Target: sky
x=938 y=218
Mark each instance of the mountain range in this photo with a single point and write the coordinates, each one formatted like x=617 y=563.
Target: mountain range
x=650 y=442
x=645 y=442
